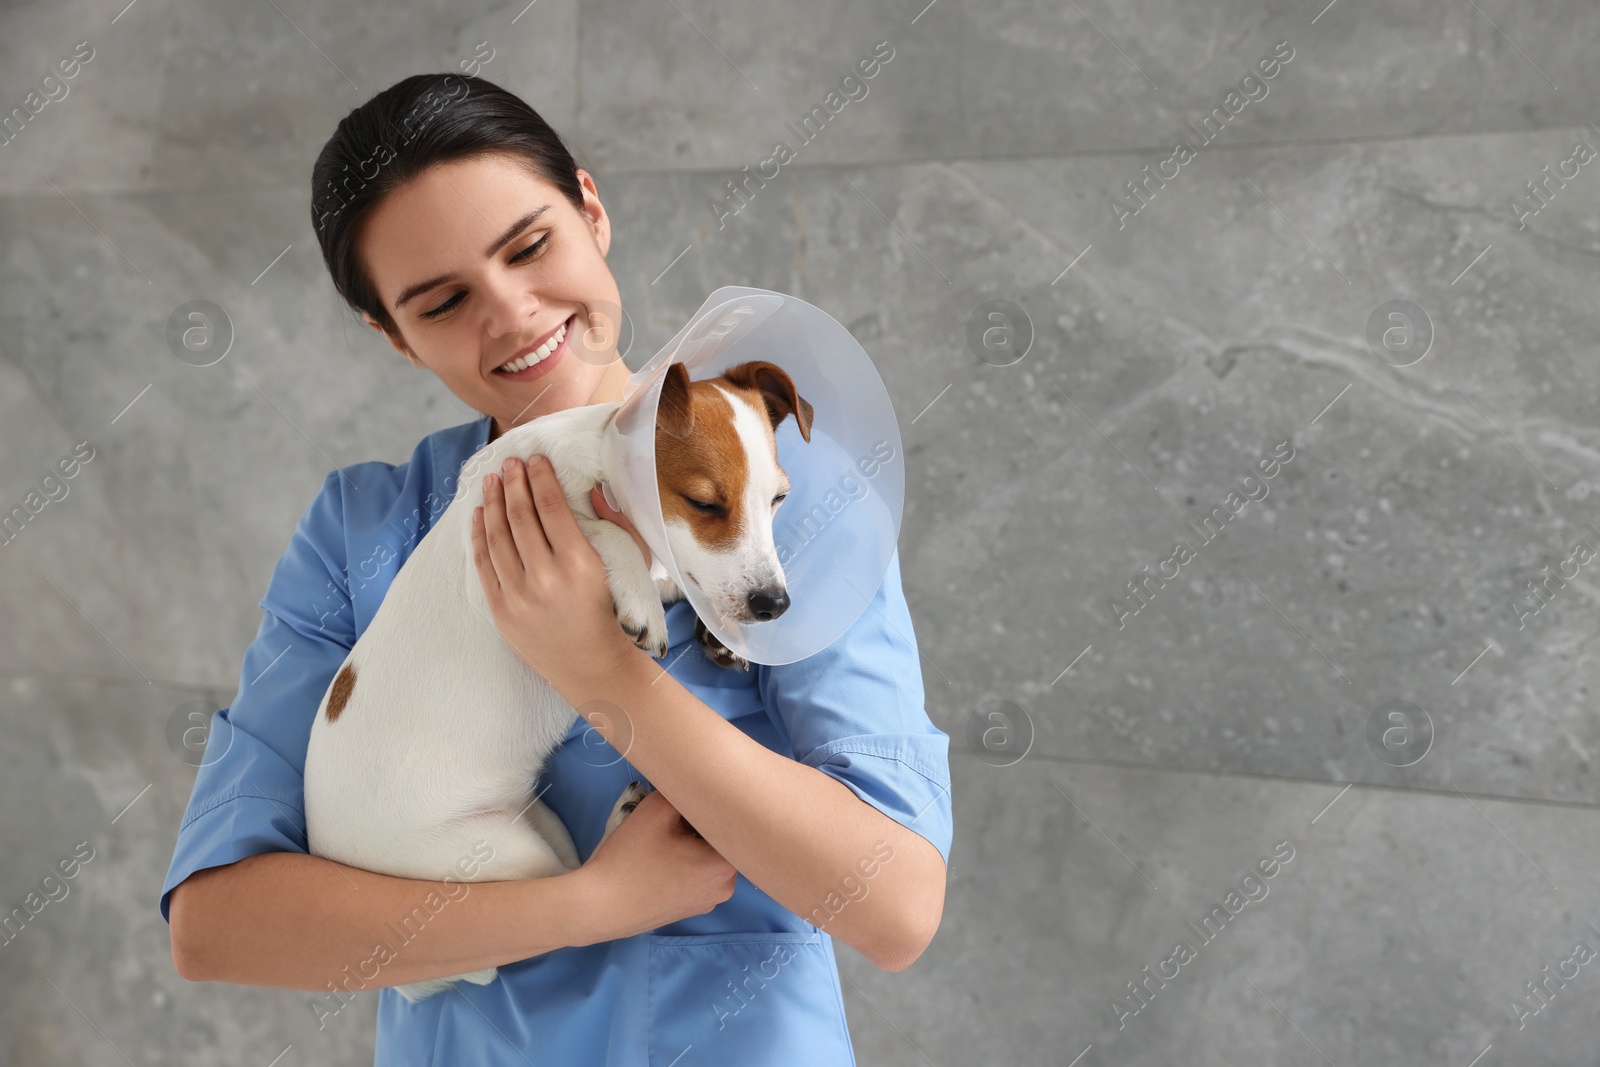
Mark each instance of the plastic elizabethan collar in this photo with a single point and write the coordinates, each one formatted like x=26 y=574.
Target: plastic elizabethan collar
x=835 y=532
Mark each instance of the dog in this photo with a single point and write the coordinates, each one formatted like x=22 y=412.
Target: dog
x=394 y=783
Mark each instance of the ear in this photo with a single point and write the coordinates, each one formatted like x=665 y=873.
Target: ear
x=777 y=391
x=674 y=412
x=399 y=345
x=595 y=212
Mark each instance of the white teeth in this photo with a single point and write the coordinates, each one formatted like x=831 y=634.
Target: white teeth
x=538 y=355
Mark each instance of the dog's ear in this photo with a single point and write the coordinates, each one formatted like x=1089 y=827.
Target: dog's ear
x=674 y=412
x=776 y=389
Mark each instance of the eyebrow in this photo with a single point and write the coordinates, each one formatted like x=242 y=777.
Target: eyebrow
x=500 y=242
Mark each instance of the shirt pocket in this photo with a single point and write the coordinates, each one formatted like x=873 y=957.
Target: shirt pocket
x=755 y=999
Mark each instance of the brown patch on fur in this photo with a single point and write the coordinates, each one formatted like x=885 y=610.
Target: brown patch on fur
x=674 y=412
x=701 y=464
x=777 y=392
x=344 y=683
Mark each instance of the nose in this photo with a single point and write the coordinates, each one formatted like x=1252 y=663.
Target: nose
x=767 y=605
x=510 y=307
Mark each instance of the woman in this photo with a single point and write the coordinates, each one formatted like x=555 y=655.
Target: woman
x=454 y=219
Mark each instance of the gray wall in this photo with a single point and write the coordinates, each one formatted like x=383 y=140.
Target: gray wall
x=1229 y=315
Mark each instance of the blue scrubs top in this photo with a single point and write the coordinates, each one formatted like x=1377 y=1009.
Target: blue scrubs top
x=749 y=982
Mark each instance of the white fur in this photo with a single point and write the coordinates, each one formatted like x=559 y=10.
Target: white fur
x=447 y=729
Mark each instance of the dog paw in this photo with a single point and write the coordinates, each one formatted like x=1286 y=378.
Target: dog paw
x=648 y=628
x=642 y=617
x=716 y=651
x=624 y=807
x=628 y=801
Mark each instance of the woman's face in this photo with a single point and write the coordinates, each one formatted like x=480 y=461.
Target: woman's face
x=472 y=281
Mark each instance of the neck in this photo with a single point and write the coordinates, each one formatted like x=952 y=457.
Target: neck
x=608 y=390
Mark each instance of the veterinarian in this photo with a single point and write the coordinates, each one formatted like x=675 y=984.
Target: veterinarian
x=813 y=785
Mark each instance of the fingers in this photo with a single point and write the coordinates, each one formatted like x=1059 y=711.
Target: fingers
x=501 y=546
x=481 y=557
x=526 y=524
x=598 y=498
x=555 y=514
x=524 y=521
x=601 y=508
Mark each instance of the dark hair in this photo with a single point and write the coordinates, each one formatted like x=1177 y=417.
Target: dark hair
x=389 y=140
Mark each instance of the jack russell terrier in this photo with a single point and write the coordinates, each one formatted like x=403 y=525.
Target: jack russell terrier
x=393 y=783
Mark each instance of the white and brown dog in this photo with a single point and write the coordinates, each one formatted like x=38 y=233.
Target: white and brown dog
x=431 y=735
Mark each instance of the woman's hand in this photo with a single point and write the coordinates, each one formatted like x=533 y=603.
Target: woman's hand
x=611 y=514
x=545 y=583
x=652 y=870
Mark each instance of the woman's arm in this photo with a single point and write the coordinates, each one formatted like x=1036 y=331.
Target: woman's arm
x=297 y=921
x=792 y=830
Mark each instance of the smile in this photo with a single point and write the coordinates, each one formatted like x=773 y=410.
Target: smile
x=538 y=361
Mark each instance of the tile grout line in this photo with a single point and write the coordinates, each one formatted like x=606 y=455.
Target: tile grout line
x=901 y=161
x=1450 y=794
x=1083 y=761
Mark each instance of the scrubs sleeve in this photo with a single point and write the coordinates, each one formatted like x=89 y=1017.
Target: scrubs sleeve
x=855 y=712
x=248 y=795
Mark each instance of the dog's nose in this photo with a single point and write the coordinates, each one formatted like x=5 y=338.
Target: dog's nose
x=766 y=606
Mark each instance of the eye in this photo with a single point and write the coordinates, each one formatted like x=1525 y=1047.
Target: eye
x=442 y=308
x=701 y=505
x=779 y=499
x=531 y=250
x=520 y=257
